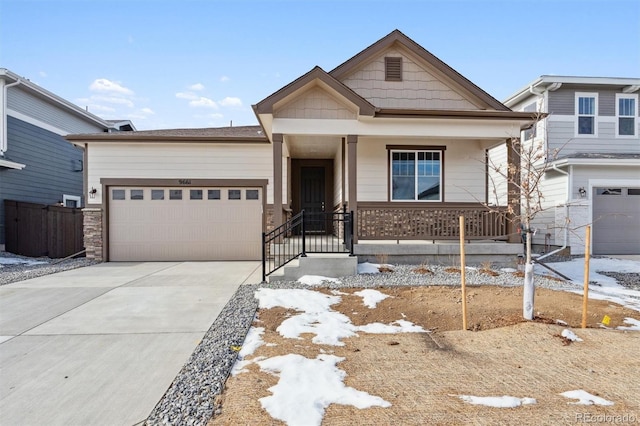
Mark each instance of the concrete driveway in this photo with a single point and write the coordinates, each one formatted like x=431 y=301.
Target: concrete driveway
x=100 y=345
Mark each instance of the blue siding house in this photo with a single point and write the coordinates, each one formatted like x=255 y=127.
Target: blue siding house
x=37 y=164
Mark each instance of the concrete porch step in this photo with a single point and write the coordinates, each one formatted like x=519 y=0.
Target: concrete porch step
x=326 y=265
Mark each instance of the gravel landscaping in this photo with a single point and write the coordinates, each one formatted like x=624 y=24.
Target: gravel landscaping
x=26 y=268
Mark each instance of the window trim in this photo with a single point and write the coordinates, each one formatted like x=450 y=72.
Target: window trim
x=579 y=95
x=633 y=96
x=415 y=149
x=76 y=198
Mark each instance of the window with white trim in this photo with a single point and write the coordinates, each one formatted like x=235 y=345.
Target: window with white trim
x=626 y=114
x=71 y=200
x=586 y=113
x=416 y=175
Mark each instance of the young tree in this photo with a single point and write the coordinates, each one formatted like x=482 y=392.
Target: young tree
x=524 y=186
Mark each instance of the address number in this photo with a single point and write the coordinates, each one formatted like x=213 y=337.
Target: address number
x=184 y=181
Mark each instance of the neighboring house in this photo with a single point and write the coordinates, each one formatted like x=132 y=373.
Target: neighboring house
x=37 y=164
x=592 y=135
x=393 y=134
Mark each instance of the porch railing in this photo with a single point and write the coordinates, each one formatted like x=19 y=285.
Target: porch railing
x=306 y=233
x=404 y=221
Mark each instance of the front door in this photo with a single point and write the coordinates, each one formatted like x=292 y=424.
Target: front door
x=312 y=197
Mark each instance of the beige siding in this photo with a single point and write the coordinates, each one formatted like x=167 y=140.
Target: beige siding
x=315 y=103
x=419 y=89
x=497 y=189
x=464 y=173
x=175 y=161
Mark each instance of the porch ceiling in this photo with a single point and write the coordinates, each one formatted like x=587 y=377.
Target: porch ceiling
x=313 y=147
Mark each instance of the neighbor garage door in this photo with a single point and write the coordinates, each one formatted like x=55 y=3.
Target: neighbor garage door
x=163 y=224
x=616 y=221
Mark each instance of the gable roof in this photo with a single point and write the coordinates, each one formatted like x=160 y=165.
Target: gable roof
x=397 y=36
x=266 y=105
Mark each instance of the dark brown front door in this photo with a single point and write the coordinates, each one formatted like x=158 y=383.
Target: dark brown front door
x=312 y=197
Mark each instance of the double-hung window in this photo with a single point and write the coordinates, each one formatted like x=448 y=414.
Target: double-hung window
x=416 y=175
x=587 y=113
x=626 y=114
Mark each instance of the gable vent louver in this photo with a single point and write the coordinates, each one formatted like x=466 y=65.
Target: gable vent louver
x=392 y=69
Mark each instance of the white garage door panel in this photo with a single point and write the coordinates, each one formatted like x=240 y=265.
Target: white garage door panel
x=165 y=230
x=616 y=226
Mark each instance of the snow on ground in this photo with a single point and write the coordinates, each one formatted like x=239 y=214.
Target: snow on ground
x=291 y=401
x=19 y=261
x=314 y=280
x=305 y=405
x=601 y=287
x=371 y=298
x=497 y=401
x=635 y=325
x=570 y=335
x=368 y=268
x=585 y=398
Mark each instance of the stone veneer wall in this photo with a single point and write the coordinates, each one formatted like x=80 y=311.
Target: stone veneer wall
x=92 y=224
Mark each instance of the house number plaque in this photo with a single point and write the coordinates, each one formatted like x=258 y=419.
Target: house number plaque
x=184 y=181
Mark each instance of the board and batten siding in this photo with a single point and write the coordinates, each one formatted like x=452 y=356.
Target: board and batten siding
x=20 y=101
x=53 y=167
x=419 y=89
x=464 y=170
x=180 y=161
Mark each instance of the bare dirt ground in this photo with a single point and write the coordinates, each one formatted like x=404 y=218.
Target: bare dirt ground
x=421 y=373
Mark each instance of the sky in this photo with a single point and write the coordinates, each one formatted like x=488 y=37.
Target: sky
x=204 y=63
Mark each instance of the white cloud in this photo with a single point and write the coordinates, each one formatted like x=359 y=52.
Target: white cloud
x=203 y=102
x=186 y=95
x=108 y=86
x=216 y=116
x=97 y=108
x=224 y=79
x=197 y=87
x=113 y=100
x=147 y=111
x=231 y=102
x=42 y=74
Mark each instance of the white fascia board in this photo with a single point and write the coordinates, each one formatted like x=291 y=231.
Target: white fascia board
x=444 y=128
x=596 y=162
x=12 y=164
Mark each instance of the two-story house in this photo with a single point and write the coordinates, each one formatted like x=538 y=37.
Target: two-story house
x=37 y=164
x=592 y=138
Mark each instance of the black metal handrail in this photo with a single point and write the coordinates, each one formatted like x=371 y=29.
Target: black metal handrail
x=306 y=233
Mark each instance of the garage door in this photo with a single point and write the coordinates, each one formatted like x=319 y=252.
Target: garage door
x=163 y=224
x=616 y=221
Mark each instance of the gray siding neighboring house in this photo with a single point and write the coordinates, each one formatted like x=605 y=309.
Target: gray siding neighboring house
x=595 y=175
x=37 y=164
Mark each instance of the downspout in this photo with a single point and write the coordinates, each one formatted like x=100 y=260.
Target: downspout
x=566 y=212
x=3 y=135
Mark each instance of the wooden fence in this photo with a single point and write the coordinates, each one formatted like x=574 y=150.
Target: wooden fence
x=42 y=230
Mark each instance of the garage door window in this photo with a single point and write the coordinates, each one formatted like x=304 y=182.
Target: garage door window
x=137 y=194
x=252 y=194
x=633 y=191
x=157 y=194
x=213 y=194
x=235 y=194
x=175 y=194
x=195 y=194
x=118 y=194
x=609 y=191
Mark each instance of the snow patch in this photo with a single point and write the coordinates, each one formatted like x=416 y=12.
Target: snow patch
x=305 y=405
x=329 y=327
x=368 y=268
x=570 y=335
x=585 y=398
x=508 y=270
x=635 y=325
x=560 y=322
x=497 y=401
x=371 y=298
x=252 y=341
x=19 y=261
x=401 y=327
x=314 y=280
x=296 y=299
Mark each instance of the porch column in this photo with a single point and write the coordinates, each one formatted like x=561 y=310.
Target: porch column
x=277 y=179
x=352 y=149
x=513 y=190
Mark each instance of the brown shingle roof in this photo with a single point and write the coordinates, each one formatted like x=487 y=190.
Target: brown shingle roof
x=214 y=134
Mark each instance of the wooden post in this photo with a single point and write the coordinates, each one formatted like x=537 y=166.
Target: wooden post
x=463 y=275
x=587 y=255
